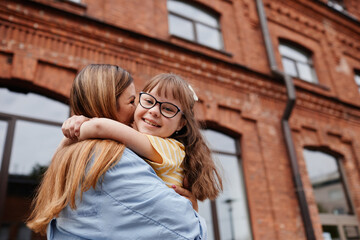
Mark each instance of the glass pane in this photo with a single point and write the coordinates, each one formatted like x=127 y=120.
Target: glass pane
x=351 y=232
x=32 y=105
x=34 y=144
x=24 y=233
x=192 y=12
x=219 y=142
x=208 y=36
x=4 y=231
x=357 y=79
x=330 y=233
x=305 y=72
x=336 y=5
x=289 y=67
x=231 y=204
x=205 y=212
x=181 y=27
x=3 y=131
x=327 y=183
x=292 y=53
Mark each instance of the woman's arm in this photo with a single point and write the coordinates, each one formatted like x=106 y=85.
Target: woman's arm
x=105 y=128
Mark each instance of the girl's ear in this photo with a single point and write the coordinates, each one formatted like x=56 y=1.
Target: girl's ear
x=182 y=123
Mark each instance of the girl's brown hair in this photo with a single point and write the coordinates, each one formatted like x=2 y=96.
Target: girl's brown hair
x=94 y=93
x=200 y=171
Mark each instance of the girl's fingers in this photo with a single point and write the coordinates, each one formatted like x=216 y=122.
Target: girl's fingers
x=71 y=127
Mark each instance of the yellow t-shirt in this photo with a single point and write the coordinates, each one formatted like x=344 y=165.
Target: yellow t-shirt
x=172 y=153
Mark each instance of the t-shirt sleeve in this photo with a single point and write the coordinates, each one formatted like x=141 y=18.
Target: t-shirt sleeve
x=171 y=151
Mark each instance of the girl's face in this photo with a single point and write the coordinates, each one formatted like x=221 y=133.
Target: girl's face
x=126 y=105
x=152 y=122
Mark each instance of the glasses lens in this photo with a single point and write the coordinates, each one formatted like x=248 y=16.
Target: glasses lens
x=147 y=101
x=168 y=110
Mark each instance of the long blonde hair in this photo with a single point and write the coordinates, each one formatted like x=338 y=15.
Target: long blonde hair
x=94 y=93
x=200 y=171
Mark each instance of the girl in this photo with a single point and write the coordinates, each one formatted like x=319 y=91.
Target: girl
x=167 y=134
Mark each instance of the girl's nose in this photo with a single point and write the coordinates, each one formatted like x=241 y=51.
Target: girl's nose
x=155 y=111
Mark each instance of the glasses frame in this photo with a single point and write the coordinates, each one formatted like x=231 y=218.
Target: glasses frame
x=160 y=103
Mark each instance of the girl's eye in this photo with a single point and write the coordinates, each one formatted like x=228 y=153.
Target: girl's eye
x=169 y=109
x=149 y=101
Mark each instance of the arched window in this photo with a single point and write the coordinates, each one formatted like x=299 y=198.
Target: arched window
x=30 y=131
x=297 y=62
x=195 y=24
x=227 y=217
x=331 y=195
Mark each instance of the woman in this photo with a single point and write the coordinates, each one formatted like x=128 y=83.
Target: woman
x=98 y=189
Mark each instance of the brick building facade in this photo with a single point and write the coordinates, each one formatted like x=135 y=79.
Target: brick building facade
x=281 y=79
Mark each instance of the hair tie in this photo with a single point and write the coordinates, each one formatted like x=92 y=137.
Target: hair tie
x=194 y=94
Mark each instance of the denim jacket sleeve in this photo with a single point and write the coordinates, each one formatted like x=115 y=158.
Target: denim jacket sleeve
x=131 y=202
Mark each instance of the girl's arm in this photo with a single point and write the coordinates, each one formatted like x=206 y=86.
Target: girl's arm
x=105 y=128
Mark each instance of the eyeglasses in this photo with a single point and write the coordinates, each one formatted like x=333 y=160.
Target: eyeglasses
x=167 y=109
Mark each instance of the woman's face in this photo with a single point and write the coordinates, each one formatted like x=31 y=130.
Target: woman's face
x=126 y=103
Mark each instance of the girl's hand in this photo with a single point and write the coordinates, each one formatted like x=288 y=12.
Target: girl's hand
x=71 y=127
x=186 y=193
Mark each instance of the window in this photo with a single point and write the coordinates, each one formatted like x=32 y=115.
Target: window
x=336 y=4
x=297 y=62
x=194 y=24
x=331 y=196
x=33 y=123
x=227 y=217
x=357 y=79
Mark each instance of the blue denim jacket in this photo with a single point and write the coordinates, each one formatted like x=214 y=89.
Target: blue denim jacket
x=131 y=202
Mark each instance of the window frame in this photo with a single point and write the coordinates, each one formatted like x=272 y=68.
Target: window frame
x=306 y=53
x=12 y=121
x=213 y=203
x=329 y=219
x=194 y=24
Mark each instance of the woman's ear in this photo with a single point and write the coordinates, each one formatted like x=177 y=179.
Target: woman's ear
x=182 y=123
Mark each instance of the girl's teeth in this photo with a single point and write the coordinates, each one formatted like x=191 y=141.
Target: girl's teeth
x=150 y=123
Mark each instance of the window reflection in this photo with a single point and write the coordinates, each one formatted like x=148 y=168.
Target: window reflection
x=34 y=144
x=231 y=204
x=32 y=105
x=205 y=212
x=208 y=36
x=227 y=217
x=328 y=186
x=330 y=232
x=220 y=142
x=181 y=27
